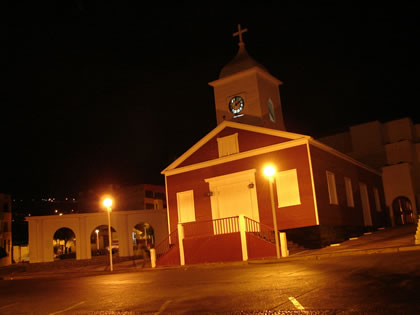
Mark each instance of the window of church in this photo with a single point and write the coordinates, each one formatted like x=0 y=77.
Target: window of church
x=349 y=192
x=185 y=203
x=287 y=188
x=228 y=145
x=332 y=188
x=377 y=200
x=271 y=114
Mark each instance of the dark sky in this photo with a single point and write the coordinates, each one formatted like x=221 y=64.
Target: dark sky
x=112 y=93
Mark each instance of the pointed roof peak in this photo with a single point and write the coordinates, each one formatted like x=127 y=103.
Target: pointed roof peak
x=242 y=61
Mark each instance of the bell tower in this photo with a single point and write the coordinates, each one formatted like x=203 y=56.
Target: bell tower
x=246 y=92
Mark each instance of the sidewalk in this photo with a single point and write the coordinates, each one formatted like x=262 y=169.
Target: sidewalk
x=388 y=240
x=385 y=240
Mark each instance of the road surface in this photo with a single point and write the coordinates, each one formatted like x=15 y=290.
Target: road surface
x=376 y=284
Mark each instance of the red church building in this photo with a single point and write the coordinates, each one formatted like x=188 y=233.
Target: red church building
x=218 y=198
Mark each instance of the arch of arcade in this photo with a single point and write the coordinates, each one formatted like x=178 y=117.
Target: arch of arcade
x=42 y=229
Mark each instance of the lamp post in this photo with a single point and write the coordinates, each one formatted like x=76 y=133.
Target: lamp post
x=108 y=204
x=97 y=239
x=270 y=171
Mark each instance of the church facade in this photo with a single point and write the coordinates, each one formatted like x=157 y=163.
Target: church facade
x=321 y=196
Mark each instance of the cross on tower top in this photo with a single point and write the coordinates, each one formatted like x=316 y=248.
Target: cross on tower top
x=239 y=33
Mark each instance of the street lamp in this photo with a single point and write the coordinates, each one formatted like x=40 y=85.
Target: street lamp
x=108 y=204
x=97 y=239
x=270 y=171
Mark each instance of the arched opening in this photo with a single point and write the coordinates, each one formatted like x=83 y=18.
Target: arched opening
x=403 y=211
x=99 y=241
x=143 y=237
x=64 y=244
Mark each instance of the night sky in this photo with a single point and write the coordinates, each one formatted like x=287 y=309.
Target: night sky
x=113 y=93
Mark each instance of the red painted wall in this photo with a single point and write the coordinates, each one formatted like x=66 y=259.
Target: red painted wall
x=287 y=217
x=258 y=248
x=248 y=140
x=342 y=214
x=210 y=249
x=171 y=258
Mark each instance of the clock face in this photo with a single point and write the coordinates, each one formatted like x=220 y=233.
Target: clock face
x=236 y=104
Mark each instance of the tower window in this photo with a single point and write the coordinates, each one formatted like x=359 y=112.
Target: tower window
x=271 y=114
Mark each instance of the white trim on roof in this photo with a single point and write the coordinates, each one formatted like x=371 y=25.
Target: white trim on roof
x=238 y=156
x=343 y=156
x=223 y=125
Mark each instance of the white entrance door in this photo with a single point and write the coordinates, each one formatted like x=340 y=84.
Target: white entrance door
x=234 y=199
x=186 y=209
x=365 y=204
x=234 y=194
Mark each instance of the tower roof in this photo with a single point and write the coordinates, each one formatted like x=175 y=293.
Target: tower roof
x=241 y=62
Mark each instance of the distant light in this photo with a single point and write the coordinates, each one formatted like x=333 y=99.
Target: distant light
x=67 y=198
x=55 y=210
x=29 y=215
x=61 y=213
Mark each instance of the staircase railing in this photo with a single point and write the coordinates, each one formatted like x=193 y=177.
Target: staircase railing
x=211 y=227
x=263 y=231
x=167 y=243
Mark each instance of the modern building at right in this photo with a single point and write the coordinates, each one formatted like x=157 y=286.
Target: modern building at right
x=394 y=148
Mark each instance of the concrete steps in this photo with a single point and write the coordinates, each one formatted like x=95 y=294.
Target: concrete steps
x=294 y=248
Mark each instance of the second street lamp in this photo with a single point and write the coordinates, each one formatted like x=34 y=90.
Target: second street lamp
x=108 y=204
x=270 y=171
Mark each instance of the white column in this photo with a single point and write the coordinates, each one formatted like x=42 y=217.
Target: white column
x=153 y=257
x=83 y=241
x=181 y=243
x=242 y=231
x=283 y=245
x=417 y=235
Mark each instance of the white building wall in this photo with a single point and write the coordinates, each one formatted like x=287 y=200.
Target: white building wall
x=398 y=181
x=402 y=151
x=397 y=130
x=42 y=229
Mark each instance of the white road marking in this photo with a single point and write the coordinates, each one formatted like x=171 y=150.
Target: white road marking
x=68 y=308
x=6 y=306
x=162 y=308
x=296 y=303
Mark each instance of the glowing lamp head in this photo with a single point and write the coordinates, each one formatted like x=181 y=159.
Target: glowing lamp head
x=97 y=231
x=269 y=171
x=108 y=202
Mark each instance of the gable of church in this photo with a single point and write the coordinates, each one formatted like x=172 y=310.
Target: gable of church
x=231 y=138
x=246 y=140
